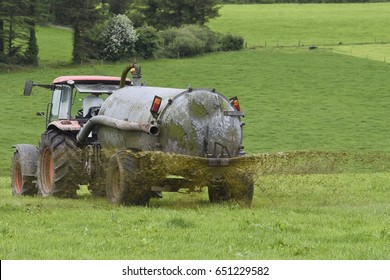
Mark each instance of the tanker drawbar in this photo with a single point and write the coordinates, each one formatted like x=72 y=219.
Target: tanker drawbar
x=138 y=142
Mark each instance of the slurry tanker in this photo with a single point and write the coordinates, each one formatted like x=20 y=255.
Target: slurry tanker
x=132 y=142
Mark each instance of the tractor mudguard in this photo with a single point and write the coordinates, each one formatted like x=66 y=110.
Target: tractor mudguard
x=28 y=158
x=65 y=125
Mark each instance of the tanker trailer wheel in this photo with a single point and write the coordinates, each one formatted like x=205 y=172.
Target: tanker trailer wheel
x=218 y=191
x=59 y=165
x=123 y=183
x=239 y=190
x=23 y=183
x=97 y=187
x=97 y=184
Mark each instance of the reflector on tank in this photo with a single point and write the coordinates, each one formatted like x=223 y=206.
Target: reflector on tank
x=155 y=105
x=235 y=103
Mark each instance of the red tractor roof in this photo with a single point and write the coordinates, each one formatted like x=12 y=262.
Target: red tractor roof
x=89 y=80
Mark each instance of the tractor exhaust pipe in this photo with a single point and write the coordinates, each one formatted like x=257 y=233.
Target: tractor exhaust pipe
x=114 y=123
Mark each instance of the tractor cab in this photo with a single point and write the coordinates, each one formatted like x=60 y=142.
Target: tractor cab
x=75 y=99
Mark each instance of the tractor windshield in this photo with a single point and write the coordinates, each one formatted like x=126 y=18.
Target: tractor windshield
x=78 y=97
x=89 y=97
x=96 y=88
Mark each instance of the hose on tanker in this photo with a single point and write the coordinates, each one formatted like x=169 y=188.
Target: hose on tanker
x=114 y=123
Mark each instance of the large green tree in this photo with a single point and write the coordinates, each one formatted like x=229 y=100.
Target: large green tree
x=118 y=38
x=1 y=34
x=163 y=14
x=17 y=31
x=82 y=16
x=31 y=53
x=118 y=7
x=202 y=11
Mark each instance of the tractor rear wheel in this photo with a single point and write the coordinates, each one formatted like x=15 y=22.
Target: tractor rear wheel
x=123 y=184
x=22 y=183
x=59 y=165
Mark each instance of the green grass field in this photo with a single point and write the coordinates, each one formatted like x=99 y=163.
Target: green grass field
x=378 y=52
x=305 y=24
x=293 y=217
x=294 y=98
x=354 y=29
x=55 y=45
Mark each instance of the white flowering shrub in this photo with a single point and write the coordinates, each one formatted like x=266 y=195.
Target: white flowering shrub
x=118 y=38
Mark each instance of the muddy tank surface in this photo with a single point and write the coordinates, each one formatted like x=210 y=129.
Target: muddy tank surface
x=196 y=122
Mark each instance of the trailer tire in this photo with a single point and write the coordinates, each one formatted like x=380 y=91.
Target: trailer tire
x=123 y=185
x=241 y=191
x=218 y=191
x=97 y=187
x=22 y=183
x=58 y=165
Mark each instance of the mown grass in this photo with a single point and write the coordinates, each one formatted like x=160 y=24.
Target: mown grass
x=305 y=24
x=294 y=99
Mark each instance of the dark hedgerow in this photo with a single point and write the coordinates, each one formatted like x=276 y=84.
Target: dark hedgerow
x=188 y=40
x=148 y=42
x=231 y=42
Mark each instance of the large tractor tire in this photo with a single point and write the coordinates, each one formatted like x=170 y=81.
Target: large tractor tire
x=59 y=165
x=123 y=182
x=24 y=167
x=240 y=190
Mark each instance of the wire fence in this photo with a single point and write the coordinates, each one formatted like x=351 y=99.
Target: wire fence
x=323 y=43
x=377 y=49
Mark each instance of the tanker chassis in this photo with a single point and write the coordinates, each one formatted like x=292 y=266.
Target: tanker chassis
x=132 y=142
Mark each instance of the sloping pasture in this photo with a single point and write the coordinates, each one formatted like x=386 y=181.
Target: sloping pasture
x=359 y=30
x=306 y=24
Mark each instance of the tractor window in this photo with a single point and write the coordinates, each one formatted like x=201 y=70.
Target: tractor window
x=85 y=101
x=61 y=103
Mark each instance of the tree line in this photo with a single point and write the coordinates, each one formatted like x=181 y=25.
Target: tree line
x=118 y=29
x=112 y=29
x=297 y=1
x=17 y=31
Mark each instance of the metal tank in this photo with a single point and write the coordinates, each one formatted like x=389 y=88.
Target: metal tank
x=196 y=122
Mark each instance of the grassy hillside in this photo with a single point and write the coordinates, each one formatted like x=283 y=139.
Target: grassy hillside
x=55 y=45
x=294 y=100
x=305 y=24
x=379 y=52
x=359 y=30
